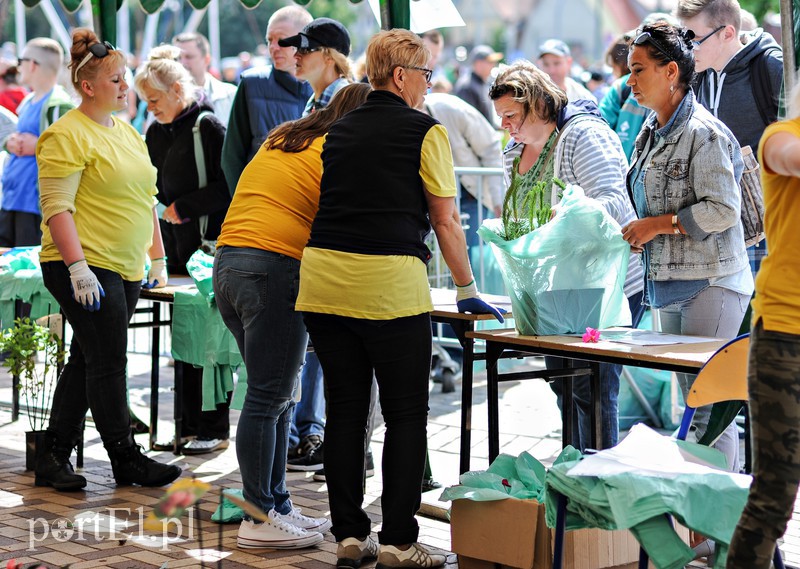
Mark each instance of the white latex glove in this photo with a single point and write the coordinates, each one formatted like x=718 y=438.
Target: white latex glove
x=157 y=275
x=86 y=289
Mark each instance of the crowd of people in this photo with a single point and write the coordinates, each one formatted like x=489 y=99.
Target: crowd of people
x=316 y=236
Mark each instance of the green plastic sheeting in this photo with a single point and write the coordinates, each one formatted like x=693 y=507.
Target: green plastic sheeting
x=200 y=338
x=508 y=476
x=709 y=503
x=21 y=279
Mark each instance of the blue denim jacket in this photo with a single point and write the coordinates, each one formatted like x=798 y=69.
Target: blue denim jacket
x=692 y=169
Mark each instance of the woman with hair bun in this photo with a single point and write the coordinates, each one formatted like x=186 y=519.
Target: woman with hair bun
x=683 y=183
x=99 y=226
x=193 y=214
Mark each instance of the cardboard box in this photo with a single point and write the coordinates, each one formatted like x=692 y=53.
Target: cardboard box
x=513 y=534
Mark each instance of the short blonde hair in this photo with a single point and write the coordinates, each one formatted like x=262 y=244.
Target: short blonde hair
x=47 y=53
x=390 y=49
x=531 y=87
x=162 y=70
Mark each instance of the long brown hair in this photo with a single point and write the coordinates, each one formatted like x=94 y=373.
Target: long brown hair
x=297 y=135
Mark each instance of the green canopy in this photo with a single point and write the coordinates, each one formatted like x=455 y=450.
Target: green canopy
x=394 y=13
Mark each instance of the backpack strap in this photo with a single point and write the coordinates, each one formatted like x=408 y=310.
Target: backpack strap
x=200 y=162
x=760 y=83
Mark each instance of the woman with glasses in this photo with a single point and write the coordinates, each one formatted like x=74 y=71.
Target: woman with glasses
x=387 y=177
x=551 y=137
x=193 y=214
x=97 y=191
x=684 y=185
x=255 y=285
x=774 y=353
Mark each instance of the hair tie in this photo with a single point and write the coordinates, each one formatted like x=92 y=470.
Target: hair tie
x=688 y=36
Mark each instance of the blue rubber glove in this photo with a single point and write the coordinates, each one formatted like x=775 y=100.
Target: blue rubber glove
x=468 y=300
x=86 y=289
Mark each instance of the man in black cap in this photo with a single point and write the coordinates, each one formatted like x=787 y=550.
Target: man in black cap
x=473 y=87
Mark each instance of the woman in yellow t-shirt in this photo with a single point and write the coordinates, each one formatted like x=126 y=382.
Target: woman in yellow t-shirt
x=774 y=367
x=256 y=275
x=97 y=185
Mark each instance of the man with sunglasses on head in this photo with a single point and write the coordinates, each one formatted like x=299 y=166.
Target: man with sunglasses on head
x=20 y=216
x=739 y=75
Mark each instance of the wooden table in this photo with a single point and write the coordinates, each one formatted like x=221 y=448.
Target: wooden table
x=584 y=359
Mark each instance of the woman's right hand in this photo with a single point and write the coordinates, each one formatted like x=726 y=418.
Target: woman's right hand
x=86 y=289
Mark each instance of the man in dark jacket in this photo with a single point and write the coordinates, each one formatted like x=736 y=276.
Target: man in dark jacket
x=739 y=75
x=473 y=87
x=267 y=96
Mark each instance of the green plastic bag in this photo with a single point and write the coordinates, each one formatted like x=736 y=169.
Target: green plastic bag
x=228 y=512
x=569 y=273
x=200 y=268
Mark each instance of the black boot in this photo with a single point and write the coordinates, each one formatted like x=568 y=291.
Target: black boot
x=131 y=466
x=53 y=467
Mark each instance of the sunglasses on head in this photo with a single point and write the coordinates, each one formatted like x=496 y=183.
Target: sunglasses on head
x=647 y=37
x=98 y=50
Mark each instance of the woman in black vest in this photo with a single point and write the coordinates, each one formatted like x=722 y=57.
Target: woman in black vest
x=387 y=178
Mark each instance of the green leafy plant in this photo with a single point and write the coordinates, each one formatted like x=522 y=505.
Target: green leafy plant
x=526 y=210
x=22 y=345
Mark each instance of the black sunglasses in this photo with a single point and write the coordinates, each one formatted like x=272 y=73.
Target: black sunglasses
x=697 y=41
x=301 y=51
x=21 y=59
x=647 y=37
x=425 y=71
x=98 y=50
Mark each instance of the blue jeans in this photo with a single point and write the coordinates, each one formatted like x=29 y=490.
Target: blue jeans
x=95 y=375
x=255 y=291
x=309 y=413
x=609 y=394
x=398 y=352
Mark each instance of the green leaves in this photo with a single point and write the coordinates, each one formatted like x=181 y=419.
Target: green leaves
x=526 y=208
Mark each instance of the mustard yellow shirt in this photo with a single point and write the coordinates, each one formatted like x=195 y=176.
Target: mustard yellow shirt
x=113 y=204
x=275 y=201
x=777 y=300
x=378 y=287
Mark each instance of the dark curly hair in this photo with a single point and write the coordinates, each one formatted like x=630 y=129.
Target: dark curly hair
x=665 y=43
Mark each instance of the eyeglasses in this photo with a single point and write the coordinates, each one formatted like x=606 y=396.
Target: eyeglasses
x=428 y=73
x=21 y=59
x=697 y=41
x=301 y=51
x=98 y=50
x=646 y=37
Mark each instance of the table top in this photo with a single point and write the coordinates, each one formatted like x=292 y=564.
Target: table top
x=444 y=300
x=693 y=355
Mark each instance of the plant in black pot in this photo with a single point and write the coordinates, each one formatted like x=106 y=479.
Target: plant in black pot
x=35 y=355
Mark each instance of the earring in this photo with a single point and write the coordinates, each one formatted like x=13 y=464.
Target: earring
x=671 y=89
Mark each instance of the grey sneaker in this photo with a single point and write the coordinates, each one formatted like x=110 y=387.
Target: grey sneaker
x=351 y=552
x=416 y=556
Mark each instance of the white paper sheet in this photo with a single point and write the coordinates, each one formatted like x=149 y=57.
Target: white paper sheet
x=649 y=337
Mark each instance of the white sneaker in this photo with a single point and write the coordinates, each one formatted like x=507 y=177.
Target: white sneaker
x=305 y=522
x=275 y=534
x=203 y=446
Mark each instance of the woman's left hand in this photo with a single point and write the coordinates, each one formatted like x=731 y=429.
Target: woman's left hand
x=640 y=232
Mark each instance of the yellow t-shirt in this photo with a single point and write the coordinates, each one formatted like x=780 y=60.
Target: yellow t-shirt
x=378 y=287
x=113 y=206
x=777 y=300
x=275 y=201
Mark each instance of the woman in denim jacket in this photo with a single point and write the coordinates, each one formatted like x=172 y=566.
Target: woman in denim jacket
x=684 y=186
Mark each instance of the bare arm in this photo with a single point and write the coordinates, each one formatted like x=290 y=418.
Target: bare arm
x=446 y=223
x=781 y=154
x=65 y=236
x=157 y=248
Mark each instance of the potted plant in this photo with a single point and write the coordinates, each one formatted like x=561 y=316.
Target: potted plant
x=23 y=344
